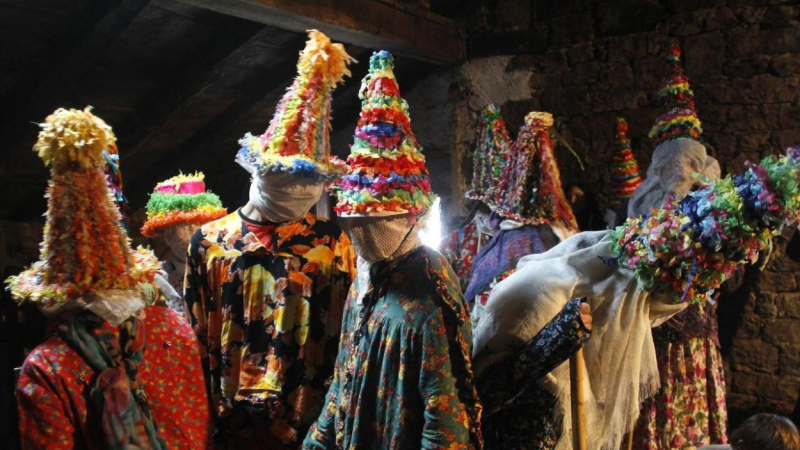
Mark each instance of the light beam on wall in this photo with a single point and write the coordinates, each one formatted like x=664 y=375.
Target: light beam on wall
x=431 y=235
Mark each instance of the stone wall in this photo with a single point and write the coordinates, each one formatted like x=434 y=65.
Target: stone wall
x=589 y=61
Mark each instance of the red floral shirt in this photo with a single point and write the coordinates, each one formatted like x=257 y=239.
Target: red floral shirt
x=53 y=385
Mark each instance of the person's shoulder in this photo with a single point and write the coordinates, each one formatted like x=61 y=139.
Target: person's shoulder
x=161 y=321
x=210 y=232
x=48 y=357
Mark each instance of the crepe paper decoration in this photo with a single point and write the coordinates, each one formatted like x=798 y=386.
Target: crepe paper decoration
x=625 y=176
x=679 y=119
x=691 y=247
x=85 y=249
x=492 y=152
x=531 y=180
x=297 y=140
x=386 y=168
x=181 y=199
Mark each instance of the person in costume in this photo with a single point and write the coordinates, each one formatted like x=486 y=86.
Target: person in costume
x=492 y=150
x=535 y=211
x=117 y=373
x=177 y=207
x=403 y=376
x=689 y=410
x=636 y=277
x=625 y=178
x=266 y=285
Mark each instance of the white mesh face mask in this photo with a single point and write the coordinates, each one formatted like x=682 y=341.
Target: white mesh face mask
x=671 y=173
x=383 y=237
x=283 y=197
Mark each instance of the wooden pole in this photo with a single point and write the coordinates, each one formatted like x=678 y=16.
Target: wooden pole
x=630 y=439
x=576 y=370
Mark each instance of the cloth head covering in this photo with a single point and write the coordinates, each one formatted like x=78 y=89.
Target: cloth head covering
x=298 y=138
x=181 y=199
x=387 y=173
x=82 y=223
x=382 y=238
x=283 y=197
x=492 y=151
x=673 y=172
x=624 y=168
x=679 y=119
x=531 y=180
x=691 y=247
x=621 y=368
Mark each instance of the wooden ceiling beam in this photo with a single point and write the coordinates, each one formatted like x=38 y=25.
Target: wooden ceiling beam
x=412 y=32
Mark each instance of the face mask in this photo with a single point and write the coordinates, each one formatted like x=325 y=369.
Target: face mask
x=283 y=197
x=177 y=238
x=382 y=238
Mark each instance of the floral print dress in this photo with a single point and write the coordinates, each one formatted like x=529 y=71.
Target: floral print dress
x=518 y=412
x=268 y=315
x=689 y=410
x=403 y=378
x=52 y=389
x=461 y=246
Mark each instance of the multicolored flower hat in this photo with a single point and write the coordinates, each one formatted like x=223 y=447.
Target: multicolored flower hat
x=679 y=120
x=531 y=181
x=492 y=151
x=387 y=173
x=181 y=199
x=691 y=247
x=85 y=249
x=624 y=168
x=298 y=138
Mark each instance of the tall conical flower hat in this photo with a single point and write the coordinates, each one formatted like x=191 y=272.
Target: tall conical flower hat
x=298 y=138
x=386 y=169
x=531 y=180
x=624 y=168
x=181 y=199
x=679 y=119
x=85 y=249
x=492 y=151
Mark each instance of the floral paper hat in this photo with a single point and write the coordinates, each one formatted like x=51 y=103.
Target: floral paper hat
x=181 y=199
x=492 y=151
x=691 y=247
x=531 y=181
x=387 y=173
x=679 y=120
x=624 y=168
x=85 y=249
x=298 y=138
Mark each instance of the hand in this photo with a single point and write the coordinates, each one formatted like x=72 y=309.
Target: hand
x=586 y=315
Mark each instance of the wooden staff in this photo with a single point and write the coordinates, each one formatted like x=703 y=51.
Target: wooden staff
x=576 y=370
x=630 y=439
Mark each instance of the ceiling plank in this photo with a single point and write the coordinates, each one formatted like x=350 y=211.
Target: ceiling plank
x=412 y=32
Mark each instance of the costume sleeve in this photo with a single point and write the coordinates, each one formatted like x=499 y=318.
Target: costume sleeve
x=446 y=424
x=196 y=294
x=322 y=434
x=556 y=342
x=43 y=420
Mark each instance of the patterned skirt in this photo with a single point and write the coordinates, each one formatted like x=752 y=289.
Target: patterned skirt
x=689 y=410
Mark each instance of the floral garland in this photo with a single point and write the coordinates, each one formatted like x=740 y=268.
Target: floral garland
x=691 y=247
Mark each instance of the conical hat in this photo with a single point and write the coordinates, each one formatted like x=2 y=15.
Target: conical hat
x=679 y=119
x=85 y=249
x=298 y=138
x=386 y=169
x=492 y=152
x=625 y=176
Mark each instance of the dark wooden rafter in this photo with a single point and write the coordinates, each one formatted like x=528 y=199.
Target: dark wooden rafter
x=267 y=83
x=20 y=105
x=413 y=32
x=181 y=90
